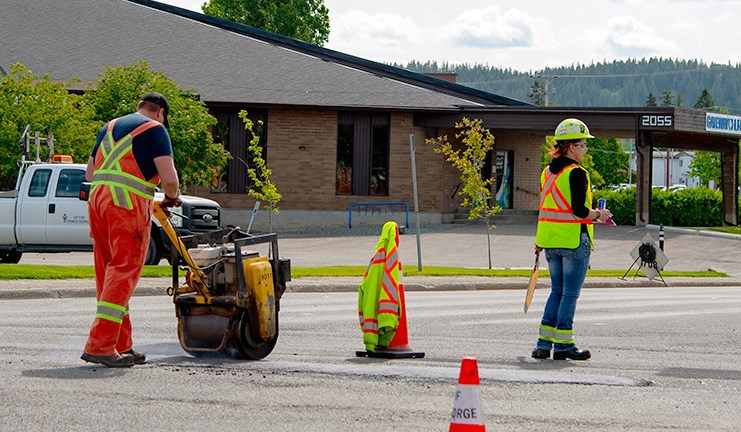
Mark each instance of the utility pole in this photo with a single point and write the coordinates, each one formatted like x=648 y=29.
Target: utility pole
x=547 y=79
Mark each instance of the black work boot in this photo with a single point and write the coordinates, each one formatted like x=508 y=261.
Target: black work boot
x=116 y=360
x=139 y=357
x=540 y=353
x=573 y=354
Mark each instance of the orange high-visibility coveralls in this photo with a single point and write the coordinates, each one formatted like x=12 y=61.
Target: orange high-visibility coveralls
x=120 y=221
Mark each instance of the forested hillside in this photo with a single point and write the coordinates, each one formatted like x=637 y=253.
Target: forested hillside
x=619 y=83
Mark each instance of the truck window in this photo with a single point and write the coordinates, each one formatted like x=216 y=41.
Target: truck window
x=39 y=183
x=69 y=182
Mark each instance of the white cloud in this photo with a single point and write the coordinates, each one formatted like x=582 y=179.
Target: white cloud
x=491 y=28
x=381 y=30
x=628 y=37
x=532 y=34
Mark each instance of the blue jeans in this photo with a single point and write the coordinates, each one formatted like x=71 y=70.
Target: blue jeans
x=568 y=268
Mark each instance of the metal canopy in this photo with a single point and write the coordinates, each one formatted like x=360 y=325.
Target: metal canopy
x=674 y=127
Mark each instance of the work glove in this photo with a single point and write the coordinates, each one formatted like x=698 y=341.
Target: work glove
x=171 y=202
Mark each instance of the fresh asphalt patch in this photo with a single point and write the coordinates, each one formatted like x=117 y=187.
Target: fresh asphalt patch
x=377 y=368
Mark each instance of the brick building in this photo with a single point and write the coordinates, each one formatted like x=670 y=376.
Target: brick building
x=336 y=128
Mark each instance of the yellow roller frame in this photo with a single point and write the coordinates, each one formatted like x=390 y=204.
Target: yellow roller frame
x=196 y=273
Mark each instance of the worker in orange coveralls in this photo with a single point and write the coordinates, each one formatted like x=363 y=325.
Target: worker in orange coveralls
x=131 y=156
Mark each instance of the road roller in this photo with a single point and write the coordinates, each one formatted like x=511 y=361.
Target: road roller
x=230 y=300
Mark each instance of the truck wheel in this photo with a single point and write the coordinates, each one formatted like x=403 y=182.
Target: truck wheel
x=10 y=257
x=154 y=254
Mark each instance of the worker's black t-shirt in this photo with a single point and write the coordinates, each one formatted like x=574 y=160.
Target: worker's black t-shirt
x=147 y=146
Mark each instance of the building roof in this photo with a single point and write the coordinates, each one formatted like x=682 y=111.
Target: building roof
x=223 y=61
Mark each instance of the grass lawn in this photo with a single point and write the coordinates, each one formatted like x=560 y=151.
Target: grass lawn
x=27 y=271
x=727 y=229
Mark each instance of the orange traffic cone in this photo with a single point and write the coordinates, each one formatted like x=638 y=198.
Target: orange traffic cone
x=467 y=415
x=399 y=346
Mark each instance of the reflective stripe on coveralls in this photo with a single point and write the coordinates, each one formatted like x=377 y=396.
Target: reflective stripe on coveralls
x=110 y=174
x=558 y=227
x=111 y=312
x=378 y=294
x=120 y=240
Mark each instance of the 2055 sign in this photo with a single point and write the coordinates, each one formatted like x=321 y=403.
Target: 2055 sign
x=654 y=121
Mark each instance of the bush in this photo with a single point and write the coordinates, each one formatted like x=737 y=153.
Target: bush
x=622 y=204
x=696 y=207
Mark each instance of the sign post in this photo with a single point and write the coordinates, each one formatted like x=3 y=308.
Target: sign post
x=416 y=202
x=252 y=217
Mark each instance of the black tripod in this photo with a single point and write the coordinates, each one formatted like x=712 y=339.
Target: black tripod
x=647 y=255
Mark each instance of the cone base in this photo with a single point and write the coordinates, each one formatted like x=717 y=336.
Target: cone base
x=390 y=354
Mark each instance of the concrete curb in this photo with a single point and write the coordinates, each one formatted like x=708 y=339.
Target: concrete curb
x=699 y=232
x=85 y=288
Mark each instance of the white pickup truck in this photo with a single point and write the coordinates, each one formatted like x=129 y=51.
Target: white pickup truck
x=45 y=214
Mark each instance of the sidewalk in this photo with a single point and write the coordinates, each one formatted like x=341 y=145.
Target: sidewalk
x=453 y=246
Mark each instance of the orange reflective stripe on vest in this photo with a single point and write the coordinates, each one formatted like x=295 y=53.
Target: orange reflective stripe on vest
x=118 y=171
x=558 y=226
x=559 y=209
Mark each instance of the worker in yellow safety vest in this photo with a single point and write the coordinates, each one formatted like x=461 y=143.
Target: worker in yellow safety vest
x=378 y=295
x=566 y=233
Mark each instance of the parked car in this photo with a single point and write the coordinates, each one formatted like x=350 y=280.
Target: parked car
x=44 y=214
x=672 y=188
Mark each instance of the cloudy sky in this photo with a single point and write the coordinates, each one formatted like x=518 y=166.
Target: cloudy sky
x=529 y=35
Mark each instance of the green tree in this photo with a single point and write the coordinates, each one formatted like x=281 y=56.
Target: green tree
x=706 y=167
x=679 y=100
x=306 y=20
x=587 y=163
x=667 y=99
x=477 y=144
x=537 y=93
x=26 y=99
x=705 y=101
x=261 y=187
x=610 y=161
x=197 y=158
x=651 y=100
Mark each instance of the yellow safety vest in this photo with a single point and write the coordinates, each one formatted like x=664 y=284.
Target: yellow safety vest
x=378 y=294
x=558 y=227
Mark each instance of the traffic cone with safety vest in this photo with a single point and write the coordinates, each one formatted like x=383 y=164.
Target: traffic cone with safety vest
x=467 y=415
x=399 y=346
x=381 y=302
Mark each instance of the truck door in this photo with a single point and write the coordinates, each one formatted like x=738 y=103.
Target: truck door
x=66 y=216
x=31 y=217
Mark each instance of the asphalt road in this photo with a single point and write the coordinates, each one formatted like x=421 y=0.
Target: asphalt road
x=663 y=359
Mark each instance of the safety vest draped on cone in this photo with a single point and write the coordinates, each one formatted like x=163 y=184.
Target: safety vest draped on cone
x=558 y=227
x=378 y=294
x=120 y=197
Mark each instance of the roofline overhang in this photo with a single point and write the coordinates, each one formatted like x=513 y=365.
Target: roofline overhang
x=380 y=69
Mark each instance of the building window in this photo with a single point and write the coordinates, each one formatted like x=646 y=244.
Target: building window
x=362 y=154
x=230 y=132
